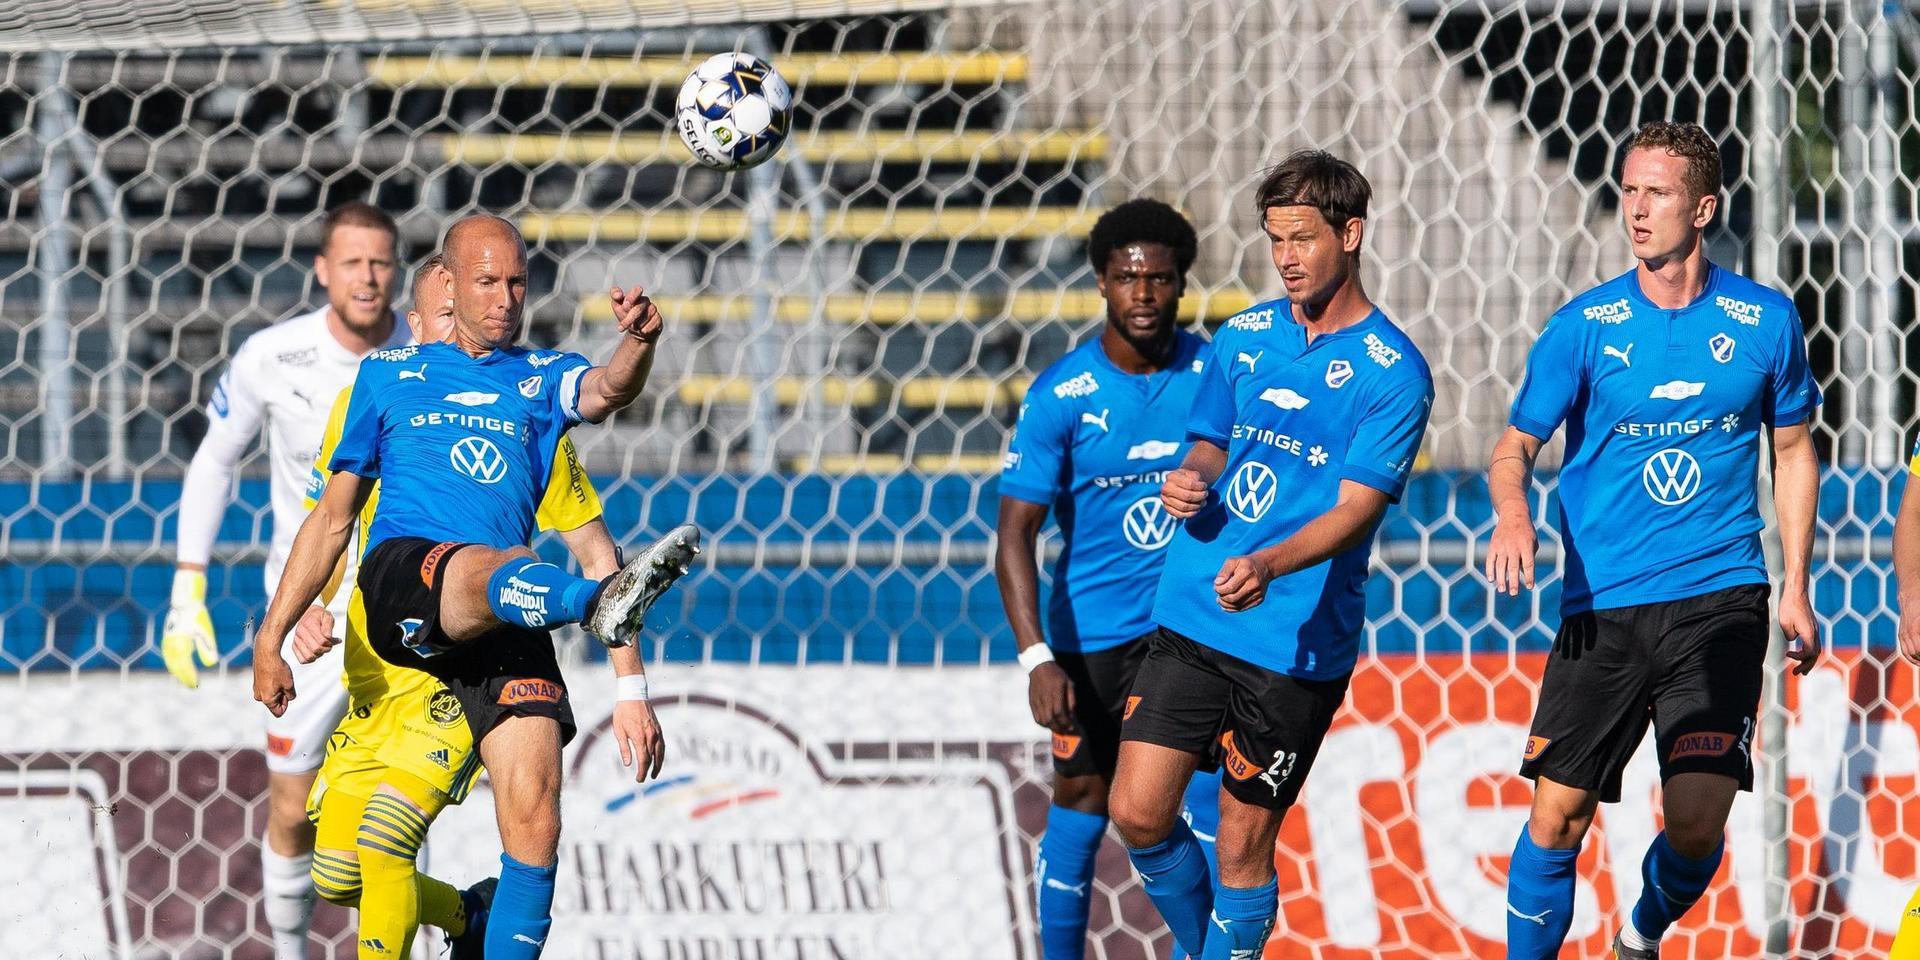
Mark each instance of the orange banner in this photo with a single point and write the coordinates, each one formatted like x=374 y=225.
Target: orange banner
x=1399 y=845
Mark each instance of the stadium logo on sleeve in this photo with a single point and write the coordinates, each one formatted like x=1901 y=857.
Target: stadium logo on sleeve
x=1338 y=373
x=530 y=387
x=1147 y=524
x=1671 y=477
x=479 y=460
x=1722 y=347
x=1250 y=494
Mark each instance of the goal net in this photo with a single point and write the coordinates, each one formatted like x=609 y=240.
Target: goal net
x=852 y=769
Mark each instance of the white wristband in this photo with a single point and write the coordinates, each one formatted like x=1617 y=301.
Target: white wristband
x=631 y=687
x=1036 y=655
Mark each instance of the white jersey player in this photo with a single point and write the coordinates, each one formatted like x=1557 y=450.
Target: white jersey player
x=284 y=379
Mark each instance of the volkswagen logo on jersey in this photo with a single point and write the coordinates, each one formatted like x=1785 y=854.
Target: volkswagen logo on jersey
x=479 y=459
x=1722 y=346
x=1250 y=493
x=1338 y=373
x=1671 y=477
x=1147 y=524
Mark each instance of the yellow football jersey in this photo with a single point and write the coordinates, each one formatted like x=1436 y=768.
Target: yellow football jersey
x=570 y=502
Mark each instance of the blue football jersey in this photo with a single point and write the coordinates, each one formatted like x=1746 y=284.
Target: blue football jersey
x=1095 y=443
x=1663 y=410
x=1295 y=418
x=462 y=446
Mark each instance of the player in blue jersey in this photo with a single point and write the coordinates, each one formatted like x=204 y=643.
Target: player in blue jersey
x=460 y=436
x=1098 y=432
x=1664 y=378
x=1304 y=428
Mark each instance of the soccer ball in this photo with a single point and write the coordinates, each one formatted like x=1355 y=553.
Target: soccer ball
x=734 y=111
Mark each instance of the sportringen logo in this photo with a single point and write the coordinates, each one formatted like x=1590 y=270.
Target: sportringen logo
x=1147 y=524
x=1251 y=491
x=478 y=459
x=1671 y=477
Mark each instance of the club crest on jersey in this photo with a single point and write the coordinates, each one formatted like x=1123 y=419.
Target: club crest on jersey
x=1671 y=477
x=530 y=387
x=1251 y=491
x=443 y=708
x=1147 y=524
x=1338 y=373
x=1722 y=346
x=1284 y=397
x=478 y=459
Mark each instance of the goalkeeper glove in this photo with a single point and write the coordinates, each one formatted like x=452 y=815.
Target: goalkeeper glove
x=188 y=630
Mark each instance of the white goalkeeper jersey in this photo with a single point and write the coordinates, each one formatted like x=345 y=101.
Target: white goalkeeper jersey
x=283 y=378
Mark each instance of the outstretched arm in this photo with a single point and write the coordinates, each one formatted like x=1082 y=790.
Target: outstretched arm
x=610 y=387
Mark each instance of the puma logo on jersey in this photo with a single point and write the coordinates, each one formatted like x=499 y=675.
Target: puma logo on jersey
x=1077 y=889
x=1099 y=421
x=1249 y=359
x=523 y=938
x=1621 y=354
x=420 y=374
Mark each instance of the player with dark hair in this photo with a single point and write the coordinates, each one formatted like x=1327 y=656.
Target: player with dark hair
x=1664 y=378
x=279 y=383
x=1098 y=431
x=1305 y=427
x=460 y=436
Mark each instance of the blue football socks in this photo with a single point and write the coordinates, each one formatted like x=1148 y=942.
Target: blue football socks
x=1064 y=875
x=1539 y=899
x=537 y=595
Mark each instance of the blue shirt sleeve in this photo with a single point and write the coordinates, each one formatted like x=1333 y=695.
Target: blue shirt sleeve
x=563 y=375
x=1212 y=413
x=1792 y=394
x=358 y=451
x=1036 y=463
x=1387 y=438
x=1556 y=371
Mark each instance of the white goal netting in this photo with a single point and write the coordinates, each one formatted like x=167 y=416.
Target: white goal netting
x=851 y=330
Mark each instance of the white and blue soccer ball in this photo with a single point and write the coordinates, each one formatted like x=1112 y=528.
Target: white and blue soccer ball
x=734 y=111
